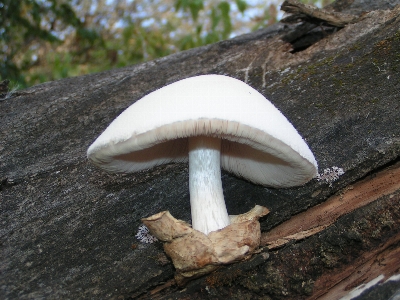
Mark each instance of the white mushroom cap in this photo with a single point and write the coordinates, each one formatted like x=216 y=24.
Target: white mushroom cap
x=258 y=142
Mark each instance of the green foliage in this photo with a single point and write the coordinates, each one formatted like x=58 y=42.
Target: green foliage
x=219 y=26
x=195 y=6
x=242 y=5
x=26 y=26
x=42 y=40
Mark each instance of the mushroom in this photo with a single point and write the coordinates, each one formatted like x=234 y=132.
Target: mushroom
x=212 y=121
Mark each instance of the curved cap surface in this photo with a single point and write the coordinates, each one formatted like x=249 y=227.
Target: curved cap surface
x=258 y=142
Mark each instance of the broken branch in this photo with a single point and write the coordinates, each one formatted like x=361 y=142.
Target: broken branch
x=307 y=12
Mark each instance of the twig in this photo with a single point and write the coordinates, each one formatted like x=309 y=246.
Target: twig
x=163 y=286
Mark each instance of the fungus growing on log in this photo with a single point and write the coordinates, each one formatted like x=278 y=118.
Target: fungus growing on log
x=211 y=121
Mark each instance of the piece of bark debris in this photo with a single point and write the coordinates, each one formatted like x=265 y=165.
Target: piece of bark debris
x=303 y=12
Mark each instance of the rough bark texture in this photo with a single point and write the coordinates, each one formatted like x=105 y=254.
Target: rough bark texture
x=68 y=229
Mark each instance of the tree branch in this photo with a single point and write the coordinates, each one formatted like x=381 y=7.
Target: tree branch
x=311 y=13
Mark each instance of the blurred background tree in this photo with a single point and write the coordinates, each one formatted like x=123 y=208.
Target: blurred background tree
x=44 y=40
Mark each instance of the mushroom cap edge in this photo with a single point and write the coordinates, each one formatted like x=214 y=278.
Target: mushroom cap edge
x=154 y=130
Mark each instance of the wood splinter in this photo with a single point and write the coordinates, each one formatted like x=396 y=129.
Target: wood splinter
x=307 y=12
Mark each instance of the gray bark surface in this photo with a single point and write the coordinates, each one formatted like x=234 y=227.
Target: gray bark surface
x=68 y=229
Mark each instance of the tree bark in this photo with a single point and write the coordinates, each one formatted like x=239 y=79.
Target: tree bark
x=68 y=228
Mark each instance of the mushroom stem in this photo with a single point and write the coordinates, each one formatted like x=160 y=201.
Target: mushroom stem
x=206 y=195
